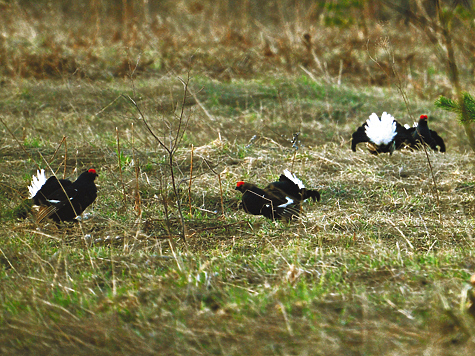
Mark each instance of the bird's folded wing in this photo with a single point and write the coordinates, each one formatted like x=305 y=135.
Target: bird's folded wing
x=275 y=194
x=56 y=201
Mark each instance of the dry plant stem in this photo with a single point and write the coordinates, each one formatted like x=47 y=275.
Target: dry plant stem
x=171 y=242
x=120 y=166
x=174 y=142
x=165 y=207
x=200 y=104
x=8 y=261
x=168 y=227
x=65 y=156
x=137 y=198
x=58 y=262
x=57 y=149
x=220 y=185
x=107 y=106
x=326 y=77
x=191 y=177
x=340 y=72
x=221 y=194
x=114 y=288
x=293 y=160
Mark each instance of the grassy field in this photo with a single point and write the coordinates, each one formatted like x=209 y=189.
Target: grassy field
x=380 y=266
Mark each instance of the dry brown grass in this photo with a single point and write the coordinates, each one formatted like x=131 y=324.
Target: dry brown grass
x=367 y=270
x=222 y=41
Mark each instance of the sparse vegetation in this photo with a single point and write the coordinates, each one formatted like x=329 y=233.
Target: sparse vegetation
x=380 y=266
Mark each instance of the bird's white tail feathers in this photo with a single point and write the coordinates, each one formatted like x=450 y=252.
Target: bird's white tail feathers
x=37 y=182
x=381 y=131
x=294 y=179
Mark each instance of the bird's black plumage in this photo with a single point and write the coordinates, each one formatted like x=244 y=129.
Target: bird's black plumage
x=278 y=200
x=63 y=200
x=422 y=134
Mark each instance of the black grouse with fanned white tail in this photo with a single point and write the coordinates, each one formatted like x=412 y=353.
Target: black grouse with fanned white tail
x=279 y=200
x=421 y=134
x=62 y=200
x=382 y=135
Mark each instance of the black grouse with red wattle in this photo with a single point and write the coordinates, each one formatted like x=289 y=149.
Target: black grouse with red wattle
x=61 y=199
x=279 y=200
x=421 y=134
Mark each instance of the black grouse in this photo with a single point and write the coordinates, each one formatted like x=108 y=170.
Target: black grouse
x=279 y=200
x=381 y=135
x=421 y=133
x=63 y=200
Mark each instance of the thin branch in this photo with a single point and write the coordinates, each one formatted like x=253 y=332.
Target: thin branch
x=191 y=177
x=119 y=162
x=174 y=142
x=57 y=149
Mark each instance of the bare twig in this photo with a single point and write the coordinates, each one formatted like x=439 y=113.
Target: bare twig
x=120 y=166
x=57 y=149
x=65 y=156
x=220 y=185
x=137 y=198
x=174 y=141
x=191 y=177
x=221 y=194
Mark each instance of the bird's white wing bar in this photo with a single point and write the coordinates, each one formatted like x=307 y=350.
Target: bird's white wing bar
x=286 y=204
x=294 y=179
x=37 y=182
x=54 y=201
